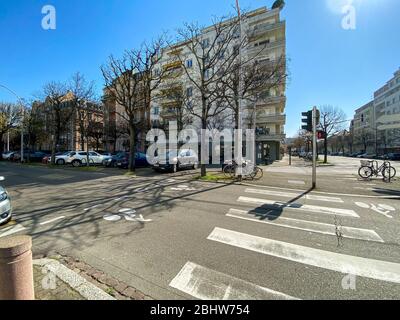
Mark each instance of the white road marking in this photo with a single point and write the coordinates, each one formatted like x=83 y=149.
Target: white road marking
x=127 y=211
x=322 y=192
x=206 y=284
x=298 y=182
x=363 y=267
x=381 y=208
x=311 y=226
x=363 y=188
x=52 y=220
x=90 y=208
x=112 y=217
x=299 y=206
x=294 y=195
x=11 y=230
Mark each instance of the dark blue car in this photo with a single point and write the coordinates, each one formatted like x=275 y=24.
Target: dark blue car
x=121 y=160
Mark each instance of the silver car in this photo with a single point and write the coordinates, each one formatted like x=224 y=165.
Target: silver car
x=5 y=205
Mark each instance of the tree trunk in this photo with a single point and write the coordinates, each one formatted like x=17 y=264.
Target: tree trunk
x=132 y=144
x=53 y=150
x=326 y=148
x=1 y=146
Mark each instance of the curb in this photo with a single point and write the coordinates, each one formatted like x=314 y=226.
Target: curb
x=77 y=282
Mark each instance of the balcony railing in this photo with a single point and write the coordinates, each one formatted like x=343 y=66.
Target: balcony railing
x=257 y=30
x=271 y=137
x=263 y=48
x=273 y=118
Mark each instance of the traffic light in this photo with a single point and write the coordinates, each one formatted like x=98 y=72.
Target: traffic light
x=320 y=135
x=307 y=121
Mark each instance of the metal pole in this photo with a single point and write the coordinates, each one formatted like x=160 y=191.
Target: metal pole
x=22 y=135
x=239 y=135
x=8 y=141
x=314 y=169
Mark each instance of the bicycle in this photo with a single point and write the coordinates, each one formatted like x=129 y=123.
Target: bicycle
x=230 y=170
x=370 y=168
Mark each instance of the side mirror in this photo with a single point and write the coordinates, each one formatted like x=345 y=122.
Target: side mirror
x=2 y=178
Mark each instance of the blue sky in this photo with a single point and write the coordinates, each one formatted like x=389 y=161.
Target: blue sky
x=328 y=65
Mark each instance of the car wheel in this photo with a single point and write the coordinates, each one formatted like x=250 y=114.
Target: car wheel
x=76 y=163
x=60 y=162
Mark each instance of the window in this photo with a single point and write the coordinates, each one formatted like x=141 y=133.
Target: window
x=156 y=110
x=157 y=72
x=206 y=74
x=189 y=63
x=205 y=43
x=189 y=92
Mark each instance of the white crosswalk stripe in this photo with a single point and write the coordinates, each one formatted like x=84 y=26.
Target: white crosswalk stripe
x=311 y=226
x=294 y=195
x=358 y=266
x=300 y=207
x=206 y=284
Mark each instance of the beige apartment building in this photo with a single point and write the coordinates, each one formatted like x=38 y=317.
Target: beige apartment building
x=266 y=42
x=376 y=125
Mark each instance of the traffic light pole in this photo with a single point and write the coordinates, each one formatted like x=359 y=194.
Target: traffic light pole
x=314 y=167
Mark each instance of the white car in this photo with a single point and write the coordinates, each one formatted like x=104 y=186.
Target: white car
x=61 y=159
x=79 y=158
x=7 y=155
x=5 y=205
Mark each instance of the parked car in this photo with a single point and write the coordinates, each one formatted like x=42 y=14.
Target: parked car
x=78 y=158
x=123 y=161
x=35 y=156
x=60 y=158
x=107 y=156
x=111 y=162
x=5 y=205
x=7 y=155
x=393 y=156
x=186 y=159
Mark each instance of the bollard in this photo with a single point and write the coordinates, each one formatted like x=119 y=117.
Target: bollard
x=16 y=270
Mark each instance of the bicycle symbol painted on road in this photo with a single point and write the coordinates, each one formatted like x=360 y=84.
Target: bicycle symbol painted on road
x=380 y=208
x=128 y=214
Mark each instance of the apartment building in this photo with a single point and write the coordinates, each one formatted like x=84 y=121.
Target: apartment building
x=363 y=128
x=176 y=94
x=266 y=42
x=387 y=113
x=376 y=125
x=70 y=135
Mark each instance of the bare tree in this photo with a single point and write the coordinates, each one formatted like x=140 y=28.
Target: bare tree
x=130 y=82
x=86 y=110
x=34 y=130
x=205 y=59
x=332 y=120
x=10 y=118
x=364 y=137
x=59 y=111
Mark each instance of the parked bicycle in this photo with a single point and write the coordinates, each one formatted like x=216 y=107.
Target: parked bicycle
x=371 y=168
x=248 y=170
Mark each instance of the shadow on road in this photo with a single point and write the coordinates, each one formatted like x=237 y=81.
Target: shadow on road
x=274 y=211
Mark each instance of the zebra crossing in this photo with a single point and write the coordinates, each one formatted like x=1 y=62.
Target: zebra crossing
x=266 y=208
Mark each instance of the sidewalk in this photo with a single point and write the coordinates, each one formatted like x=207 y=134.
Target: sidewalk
x=54 y=281
x=62 y=291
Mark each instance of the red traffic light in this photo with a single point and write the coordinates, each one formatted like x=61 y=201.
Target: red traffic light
x=320 y=135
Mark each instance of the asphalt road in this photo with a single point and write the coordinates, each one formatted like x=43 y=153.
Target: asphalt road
x=192 y=239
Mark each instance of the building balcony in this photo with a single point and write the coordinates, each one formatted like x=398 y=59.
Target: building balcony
x=273 y=118
x=168 y=113
x=271 y=100
x=259 y=30
x=271 y=137
x=264 y=48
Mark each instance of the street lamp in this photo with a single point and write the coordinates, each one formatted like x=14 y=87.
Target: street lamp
x=22 y=123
